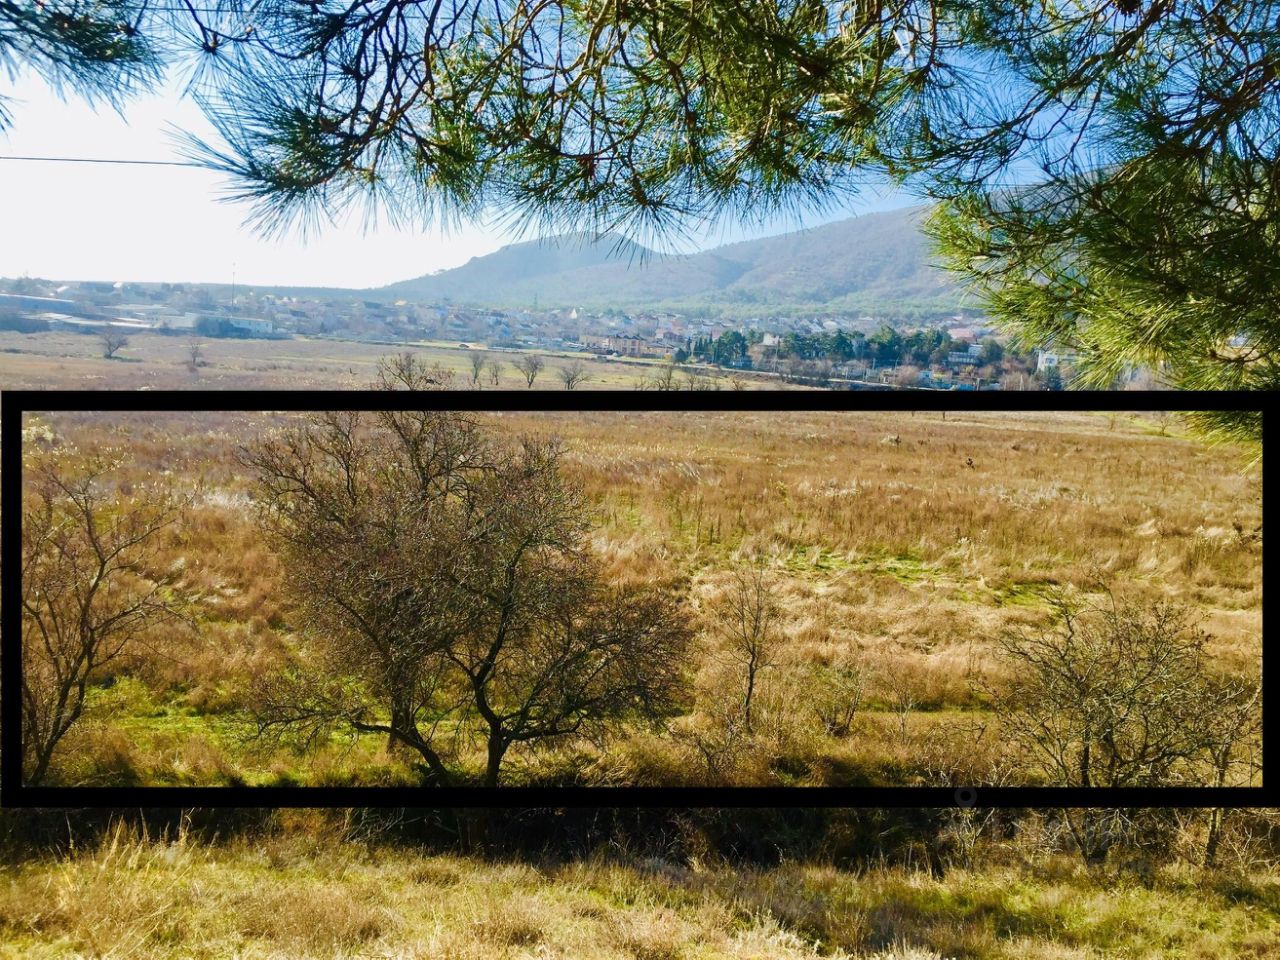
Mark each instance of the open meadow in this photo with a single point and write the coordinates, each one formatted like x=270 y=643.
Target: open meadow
x=840 y=590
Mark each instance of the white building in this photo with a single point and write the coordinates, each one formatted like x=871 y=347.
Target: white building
x=251 y=324
x=1048 y=359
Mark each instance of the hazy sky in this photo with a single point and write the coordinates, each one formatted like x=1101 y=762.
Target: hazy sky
x=109 y=222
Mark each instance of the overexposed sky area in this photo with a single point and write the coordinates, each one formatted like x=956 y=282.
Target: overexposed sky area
x=81 y=221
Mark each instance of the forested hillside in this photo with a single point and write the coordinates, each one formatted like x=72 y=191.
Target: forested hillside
x=880 y=264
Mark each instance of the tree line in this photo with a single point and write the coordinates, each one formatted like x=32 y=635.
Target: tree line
x=884 y=347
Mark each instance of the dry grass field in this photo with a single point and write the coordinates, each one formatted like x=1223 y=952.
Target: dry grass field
x=66 y=361
x=902 y=547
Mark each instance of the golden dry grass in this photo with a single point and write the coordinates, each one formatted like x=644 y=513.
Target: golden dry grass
x=903 y=546
x=300 y=897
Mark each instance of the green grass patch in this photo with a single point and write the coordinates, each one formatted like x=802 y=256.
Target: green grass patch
x=816 y=561
x=1012 y=594
x=907 y=567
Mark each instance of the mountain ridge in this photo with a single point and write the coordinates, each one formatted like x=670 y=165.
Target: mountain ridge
x=876 y=261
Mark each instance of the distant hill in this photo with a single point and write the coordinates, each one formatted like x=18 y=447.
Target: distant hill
x=879 y=263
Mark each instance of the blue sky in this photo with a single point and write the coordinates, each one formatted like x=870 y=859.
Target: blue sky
x=111 y=222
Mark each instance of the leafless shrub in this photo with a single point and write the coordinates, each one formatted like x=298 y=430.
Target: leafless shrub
x=902 y=697
x=574 y=374
x=663 y=379
x=91 y=586
x=693 y=380
x=719 y=741
x=1122 y=694
x=406 y=371
x=836 y=696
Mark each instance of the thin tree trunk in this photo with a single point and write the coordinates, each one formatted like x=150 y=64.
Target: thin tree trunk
x=43 y=758
x=497 y=750
x=439 y=772
x=1093 y=848
x=405 y=730
x=1216 y=818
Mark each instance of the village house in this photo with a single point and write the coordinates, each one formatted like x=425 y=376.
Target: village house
x=971 y=356
x=626 y=345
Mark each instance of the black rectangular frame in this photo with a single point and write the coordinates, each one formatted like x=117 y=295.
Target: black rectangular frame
x=13 y=793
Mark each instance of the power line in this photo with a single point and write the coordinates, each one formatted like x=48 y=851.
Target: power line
x=140 y=163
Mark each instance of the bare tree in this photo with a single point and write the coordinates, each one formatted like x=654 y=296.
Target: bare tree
x=406 y=371
x=664 y=379
x=574 y=374
x=495 y=371
x=907 y=376
x=1232 y=731
x=1163 y=419
x=195 y=355
x=530 y=365
x=91 y=587
x=747 y=615
x=552 y=651
x=444 y=576
x=720 y=741
x=795 y=369
x=699 y=381
x=352 y=504
x=477 y=360
x=1119 y=695
x=902 y=699
x=113 y=341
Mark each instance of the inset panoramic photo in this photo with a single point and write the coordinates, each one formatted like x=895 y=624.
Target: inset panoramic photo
x=673 y=599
